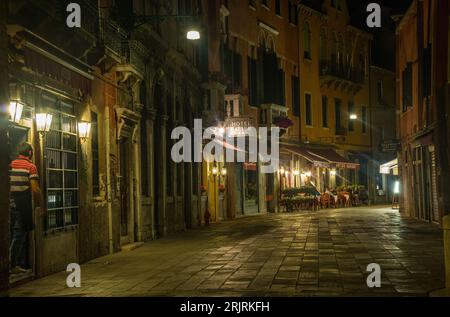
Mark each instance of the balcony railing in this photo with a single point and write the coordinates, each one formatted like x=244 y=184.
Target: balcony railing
x=337 y=70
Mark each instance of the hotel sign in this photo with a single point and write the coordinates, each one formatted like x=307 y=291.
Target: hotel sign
x=239 y=126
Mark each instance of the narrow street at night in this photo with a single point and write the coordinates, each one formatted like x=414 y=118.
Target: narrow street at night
x=322 y=253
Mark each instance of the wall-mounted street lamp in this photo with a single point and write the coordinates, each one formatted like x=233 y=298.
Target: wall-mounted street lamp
x=15 y=110
x=43 y=122
x=282 y=171
x=223 y=172
x=333 y=172
x=353 y=116
x=193 y=35
x=214 y=171
x=84 y=129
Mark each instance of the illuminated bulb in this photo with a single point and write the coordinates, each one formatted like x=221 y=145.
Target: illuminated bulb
x=193 y=35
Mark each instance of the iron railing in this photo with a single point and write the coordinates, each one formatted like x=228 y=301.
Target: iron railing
x=336 y=69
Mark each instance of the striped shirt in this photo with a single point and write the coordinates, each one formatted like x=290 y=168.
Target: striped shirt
x=22 y=171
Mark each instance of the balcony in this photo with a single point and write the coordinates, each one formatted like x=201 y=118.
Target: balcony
x=340 y=77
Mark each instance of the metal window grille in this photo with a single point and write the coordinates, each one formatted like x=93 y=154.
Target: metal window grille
x=61 y=165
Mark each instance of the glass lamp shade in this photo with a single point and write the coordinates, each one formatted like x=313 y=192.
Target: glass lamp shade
x=15 y=110
x=84 y=129
x=43 y=122
x=223 y=171
x=214 y=171
x=193 y=35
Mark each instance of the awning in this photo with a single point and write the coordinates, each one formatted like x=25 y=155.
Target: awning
x=316 y=160
x=389 y=168
x=322 y=157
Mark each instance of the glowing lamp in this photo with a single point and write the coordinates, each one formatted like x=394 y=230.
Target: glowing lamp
x=84 y=129
x=193 y=35
x=43 y=122
x=15 y=110
x=223 y=171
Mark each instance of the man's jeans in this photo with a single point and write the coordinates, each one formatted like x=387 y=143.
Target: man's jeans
x=18 y=237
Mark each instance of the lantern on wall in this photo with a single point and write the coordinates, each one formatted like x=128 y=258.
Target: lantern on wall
x=43 y=122
x=84 y=129
x=15 y=110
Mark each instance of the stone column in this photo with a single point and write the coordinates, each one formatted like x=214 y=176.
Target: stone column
x=151 y=149
x=4 y=154
x=137 y=174
x=162 y=181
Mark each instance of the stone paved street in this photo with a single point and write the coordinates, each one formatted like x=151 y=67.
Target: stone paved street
x=322 y=253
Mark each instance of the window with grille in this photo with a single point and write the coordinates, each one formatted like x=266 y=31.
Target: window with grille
x=61 y=157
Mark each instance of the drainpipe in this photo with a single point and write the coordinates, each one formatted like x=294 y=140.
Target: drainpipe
x=108 y=182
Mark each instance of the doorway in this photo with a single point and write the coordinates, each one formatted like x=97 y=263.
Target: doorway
x=17 y=136
x=124 y=191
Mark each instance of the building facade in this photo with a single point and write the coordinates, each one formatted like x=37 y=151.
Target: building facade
x=423 y=107
x=129 y=87
x=422 y=98
x=416 y=113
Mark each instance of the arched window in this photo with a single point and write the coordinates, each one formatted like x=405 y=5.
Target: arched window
x=307 y=41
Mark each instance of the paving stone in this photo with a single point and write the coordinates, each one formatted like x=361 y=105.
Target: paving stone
x=321 y=253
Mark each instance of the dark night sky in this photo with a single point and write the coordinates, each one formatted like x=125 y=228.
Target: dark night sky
x=383 y=48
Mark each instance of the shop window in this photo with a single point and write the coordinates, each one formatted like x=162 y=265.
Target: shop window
x=61 y=165
x=95 y=161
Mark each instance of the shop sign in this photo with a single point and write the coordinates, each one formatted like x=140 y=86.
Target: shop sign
x=389 y=146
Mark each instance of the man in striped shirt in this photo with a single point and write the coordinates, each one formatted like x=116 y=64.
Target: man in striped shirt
x=24 y=181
